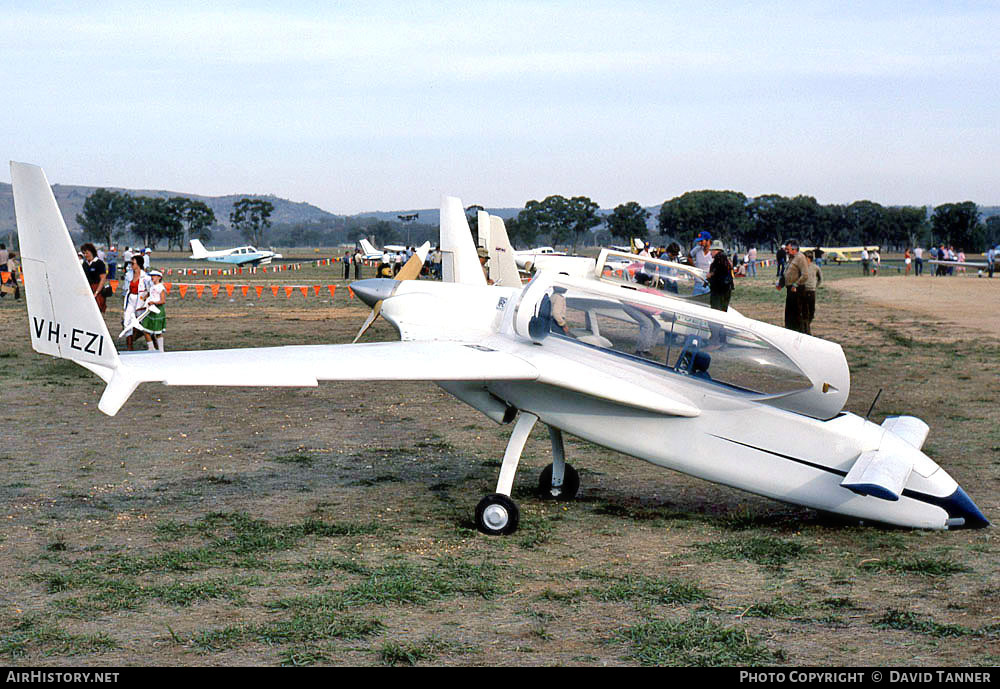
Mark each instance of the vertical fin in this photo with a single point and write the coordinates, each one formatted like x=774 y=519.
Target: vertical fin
x=503 y=267
x=63 y=317
x=459 y=261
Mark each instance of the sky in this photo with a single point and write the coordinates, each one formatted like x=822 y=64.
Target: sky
x=363 y=106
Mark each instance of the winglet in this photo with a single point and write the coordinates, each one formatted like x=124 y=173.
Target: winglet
x=459 y=262
x=63 y=318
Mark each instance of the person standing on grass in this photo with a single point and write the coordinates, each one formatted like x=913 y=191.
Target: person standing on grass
x=793 y=281
x=97 y=275
x=155 y=320
x=720 y=277
x=814 y=278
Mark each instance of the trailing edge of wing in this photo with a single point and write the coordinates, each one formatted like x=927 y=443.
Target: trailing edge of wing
x=306 y=365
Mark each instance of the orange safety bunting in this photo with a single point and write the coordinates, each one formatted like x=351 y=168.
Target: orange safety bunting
x=333 y=289
x=259 y=288
x=316 y=290
x=199 y=289
x=114 y=286
x=244 y=289
x=167 y=285
x=274 y=289
x=215 y=290
x=350 y=292
x=288 y=292
x=229 y=290
x=305 y=291
x=183 y=290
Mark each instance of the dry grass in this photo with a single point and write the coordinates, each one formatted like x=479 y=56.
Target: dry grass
x=333 y=525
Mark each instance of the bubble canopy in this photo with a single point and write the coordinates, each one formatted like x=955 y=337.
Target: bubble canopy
x=723 y=350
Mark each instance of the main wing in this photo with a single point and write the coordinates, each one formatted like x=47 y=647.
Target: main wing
x=306 y=365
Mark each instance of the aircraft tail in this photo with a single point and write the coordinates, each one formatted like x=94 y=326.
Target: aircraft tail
x=198 y=249
x=367 y=247
x=503 y=268
x=63 y=317
x=459 y=260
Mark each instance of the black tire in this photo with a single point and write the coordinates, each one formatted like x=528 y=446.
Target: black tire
x=569 y=489
x=497 y=515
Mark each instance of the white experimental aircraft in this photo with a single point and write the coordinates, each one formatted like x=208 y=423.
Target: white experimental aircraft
x=717 y=396
x=240 y=256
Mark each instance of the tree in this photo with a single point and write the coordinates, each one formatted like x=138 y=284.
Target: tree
x=196 y=216
x=252 y=218
x=552 y=217
x=958 y=224
x=472 y=218
x=866 y=220
x=628 y=220
x=105 y=216
x=583 y=217
x=722 y=213
x=992 y=231
x=153 y=219
x=905 y=226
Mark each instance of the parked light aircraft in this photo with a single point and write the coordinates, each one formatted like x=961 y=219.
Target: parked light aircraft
x=712 y=394
x=841 y=254
x=240 y=256
x=525 y=259
x=370 y=253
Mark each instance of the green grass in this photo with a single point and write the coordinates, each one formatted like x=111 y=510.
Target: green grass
x=36 y=638
x=656 y=591
x=926 y=566
x=908 y=621
x=766 y=551
x=697 y=642
x=407 y=584
x=310 y=627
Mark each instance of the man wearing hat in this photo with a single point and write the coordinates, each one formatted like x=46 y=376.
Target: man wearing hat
x=720 y=277
x=484 y=258
x=794 y=281
x=701 y=254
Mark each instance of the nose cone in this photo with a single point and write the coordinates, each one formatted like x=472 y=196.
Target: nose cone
x=963 y=512
x=373 y=289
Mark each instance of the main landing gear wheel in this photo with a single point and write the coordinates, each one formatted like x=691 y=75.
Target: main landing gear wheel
x=497 y=515
x=568 y=489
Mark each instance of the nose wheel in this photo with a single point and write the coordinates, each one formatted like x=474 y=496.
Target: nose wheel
x=497 y=514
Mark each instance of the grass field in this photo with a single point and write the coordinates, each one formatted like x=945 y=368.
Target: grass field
x=333 y=525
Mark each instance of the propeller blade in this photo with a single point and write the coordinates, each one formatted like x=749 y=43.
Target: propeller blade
x=410 y=271
x=371 y=319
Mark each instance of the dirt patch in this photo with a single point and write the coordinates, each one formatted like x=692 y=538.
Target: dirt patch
x=967 y=301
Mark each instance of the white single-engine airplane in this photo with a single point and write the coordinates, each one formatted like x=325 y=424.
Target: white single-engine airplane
x=841 y=254
x=710 y=393
x=240 y=256
x=370 y=253
x=526 y=258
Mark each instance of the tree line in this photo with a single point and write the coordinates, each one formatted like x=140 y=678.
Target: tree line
x=763 y=221
x=110 y=217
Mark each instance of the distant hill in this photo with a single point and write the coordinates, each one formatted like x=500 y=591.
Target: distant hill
x=71 y=198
